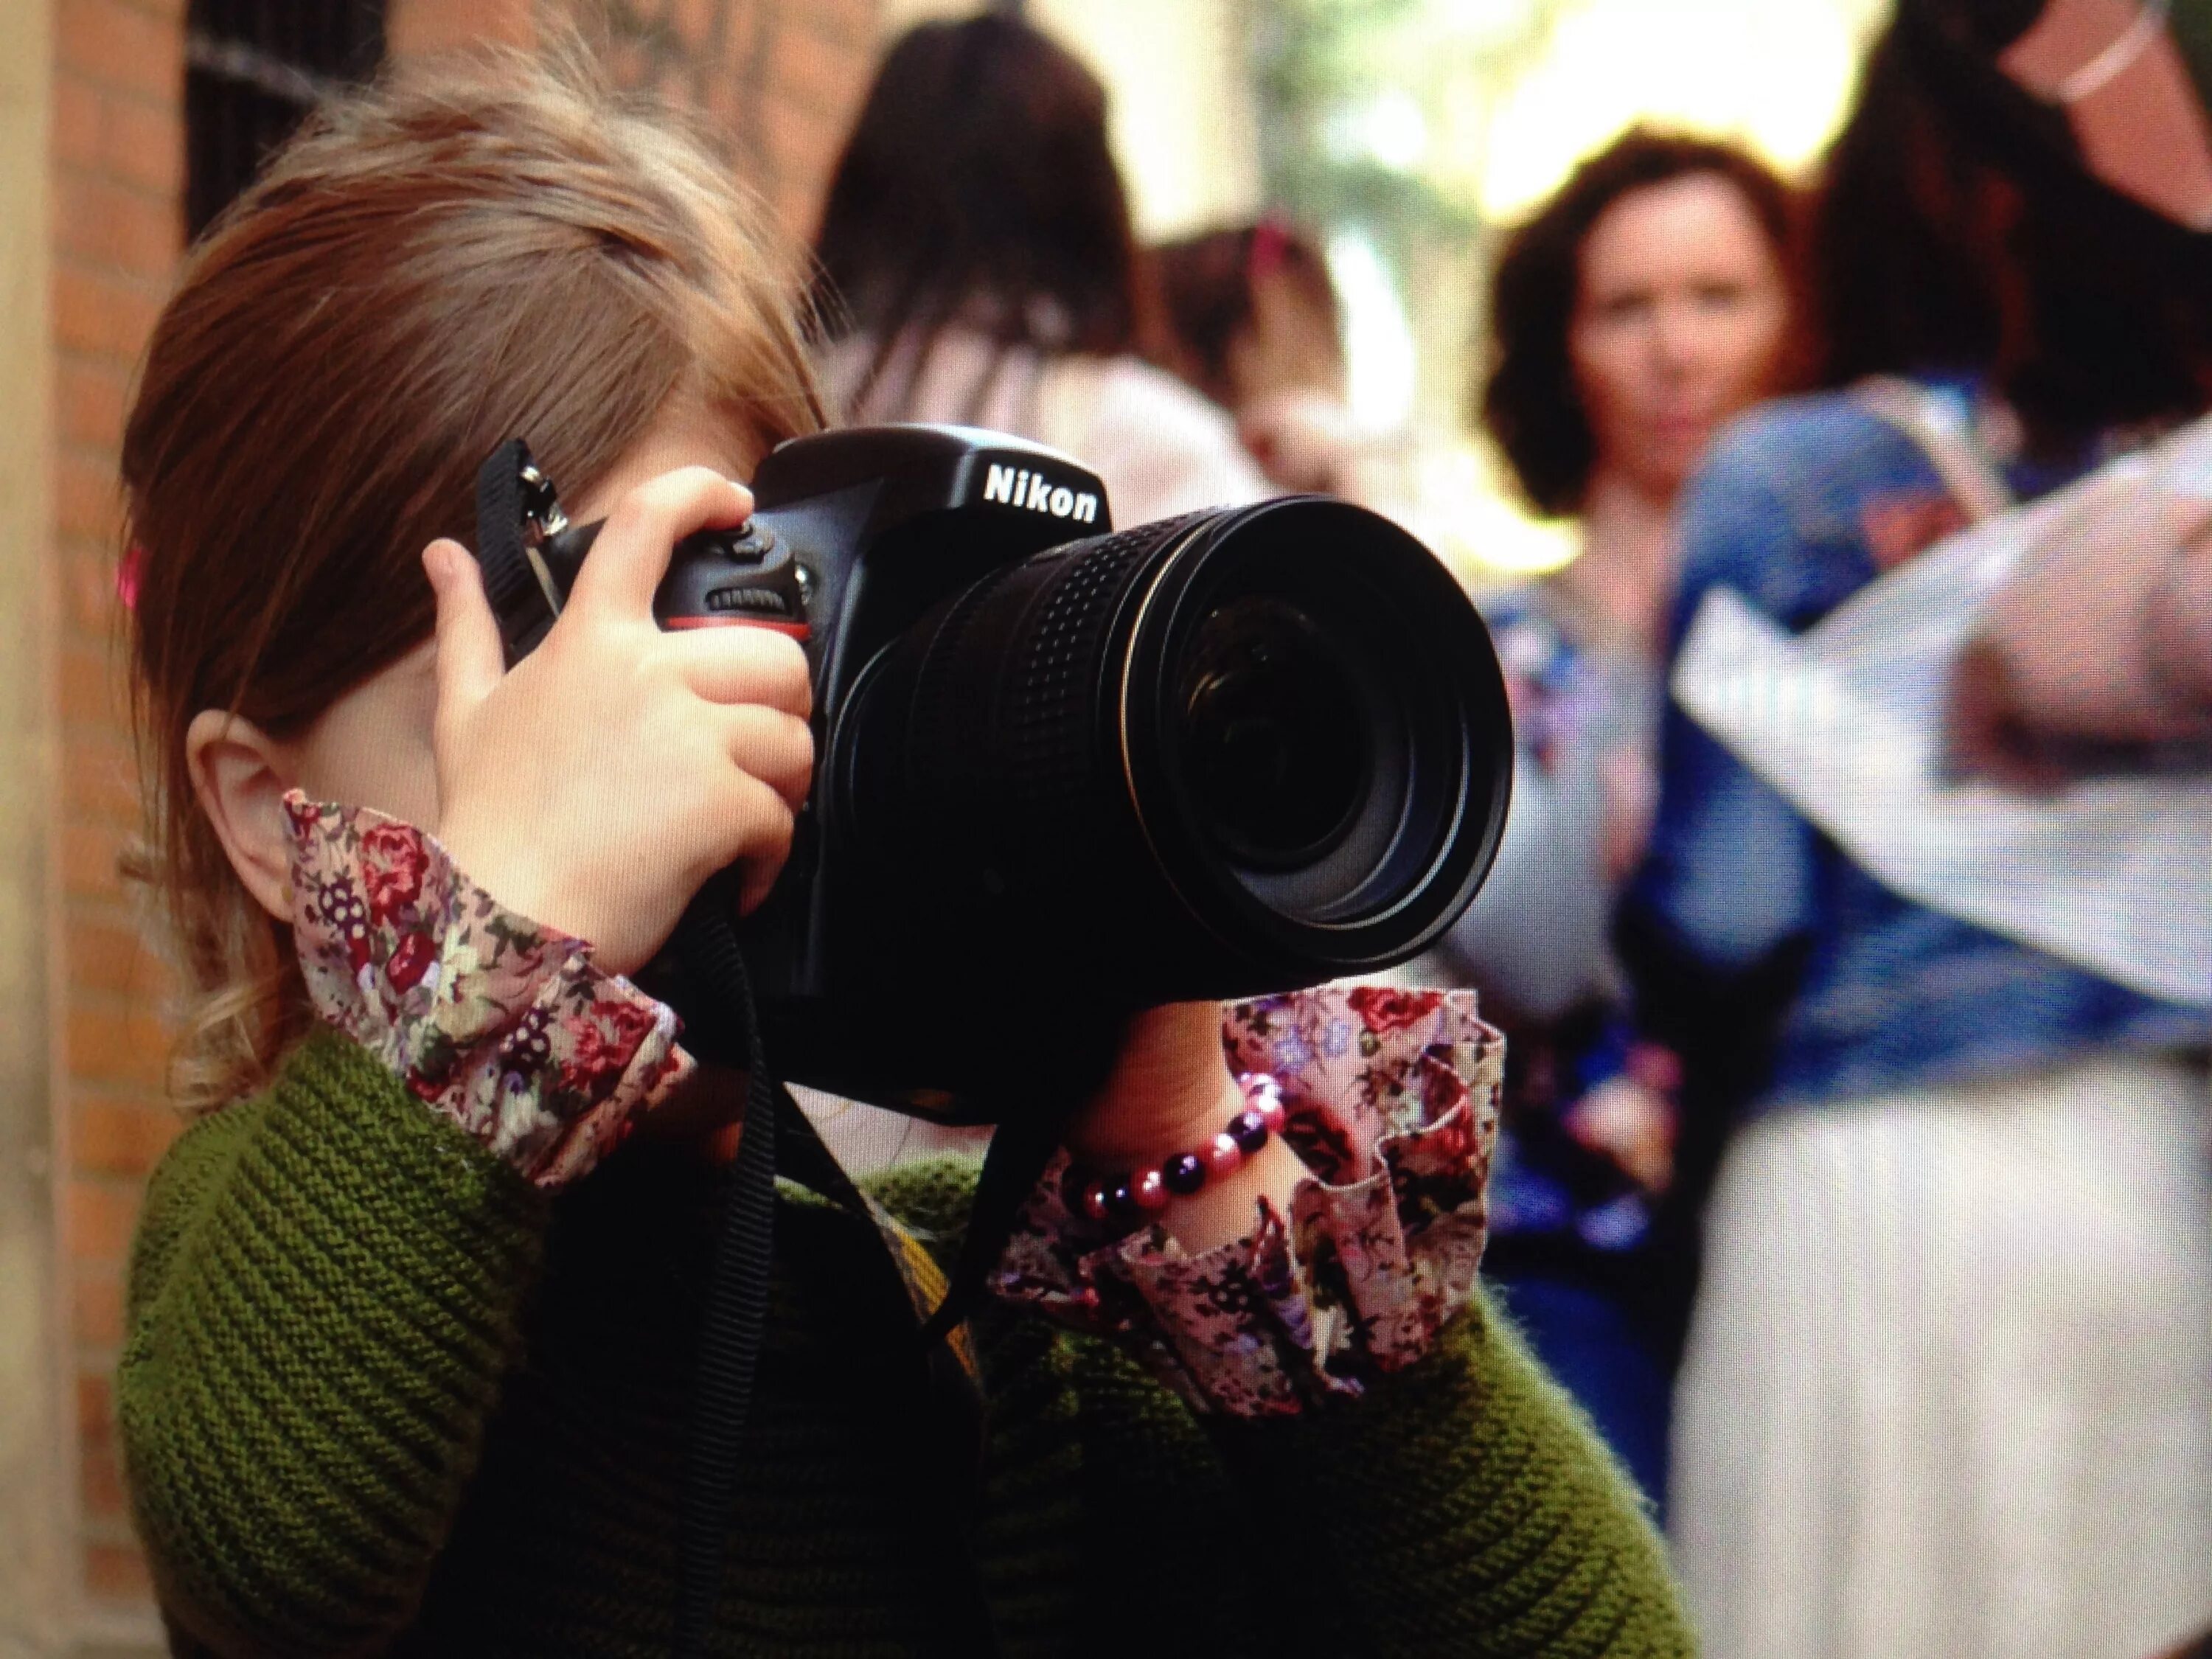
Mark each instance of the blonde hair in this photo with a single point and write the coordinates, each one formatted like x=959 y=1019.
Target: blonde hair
x=510 y=247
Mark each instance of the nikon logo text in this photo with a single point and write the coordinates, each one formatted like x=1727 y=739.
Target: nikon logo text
x=1018 y=487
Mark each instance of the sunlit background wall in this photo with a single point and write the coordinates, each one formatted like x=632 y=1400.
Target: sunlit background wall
x=1409 y=133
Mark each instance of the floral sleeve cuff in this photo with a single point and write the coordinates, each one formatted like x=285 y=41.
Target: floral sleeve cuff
x=1392 y=1098
x=494 y=1021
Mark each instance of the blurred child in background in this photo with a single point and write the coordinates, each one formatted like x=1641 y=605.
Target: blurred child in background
x=1252 y=322
x=978 y=266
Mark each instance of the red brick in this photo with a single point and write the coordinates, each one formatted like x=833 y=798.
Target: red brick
x=119 y=1138
x=100 y=781
x=853 y=26
x=96 y=1408
x=85 y=567
x=101 y=312
x=114 y=225
x=96 y=1305
x=813 y=75
x=88 y=496
x=144 y=144
x=91 y=397
x=121 y=46
x=89 y=859
x=116 y=1573
x=91 y=684
x=100 y=1217
x=99 y=1484
x=79 y=118
x=123 y=1044
x=417 y=27
x=107 y=956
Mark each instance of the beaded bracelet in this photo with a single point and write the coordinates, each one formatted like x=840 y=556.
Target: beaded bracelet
x=1126 y=1197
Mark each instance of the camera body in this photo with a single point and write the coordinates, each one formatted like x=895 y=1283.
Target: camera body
x=1064 y=773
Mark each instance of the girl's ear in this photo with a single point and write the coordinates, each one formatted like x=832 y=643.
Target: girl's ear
x=240 y=774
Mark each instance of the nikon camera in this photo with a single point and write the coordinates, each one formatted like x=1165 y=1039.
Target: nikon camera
x=1062 y=770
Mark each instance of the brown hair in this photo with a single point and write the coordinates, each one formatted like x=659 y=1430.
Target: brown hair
x=1528 y=403
x=510 y=247
x=1958 y=228
x=979 y=188
x=1208 y=284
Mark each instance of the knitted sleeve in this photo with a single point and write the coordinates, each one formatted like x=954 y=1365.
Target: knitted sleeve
x=325 y=1296
x=1461 y=1507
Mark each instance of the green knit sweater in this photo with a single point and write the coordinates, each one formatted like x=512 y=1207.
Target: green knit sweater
x=380 y=1395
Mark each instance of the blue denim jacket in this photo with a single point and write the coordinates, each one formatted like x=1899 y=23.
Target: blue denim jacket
x=1893 y=994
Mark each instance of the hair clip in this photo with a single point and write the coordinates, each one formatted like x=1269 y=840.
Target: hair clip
x=128 y=575
x=1270 y=251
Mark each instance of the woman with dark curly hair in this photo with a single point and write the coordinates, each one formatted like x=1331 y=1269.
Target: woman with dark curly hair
x=1642 y=305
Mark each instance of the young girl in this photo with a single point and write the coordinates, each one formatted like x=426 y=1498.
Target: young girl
x=411 y=1343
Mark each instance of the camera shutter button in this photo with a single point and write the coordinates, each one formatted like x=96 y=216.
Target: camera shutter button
x=750 y=546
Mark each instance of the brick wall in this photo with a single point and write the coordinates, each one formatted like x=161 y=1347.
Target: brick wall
x=779 y=77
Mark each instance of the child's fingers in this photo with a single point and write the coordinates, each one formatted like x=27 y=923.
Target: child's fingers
x=771 y=746
x=746 y=665
x=470 y=661
x=627 y=561
x=767 y=845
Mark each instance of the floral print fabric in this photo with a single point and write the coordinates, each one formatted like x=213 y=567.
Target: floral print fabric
x=501 y=1025
x=1392 y=1097
x=506 y=1027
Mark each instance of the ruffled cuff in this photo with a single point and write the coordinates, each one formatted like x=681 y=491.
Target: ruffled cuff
x=496 y=1021
x=1392 y=1098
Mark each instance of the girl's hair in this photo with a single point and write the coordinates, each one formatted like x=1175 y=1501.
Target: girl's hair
x=1529 y=403
x=1957 y=228
x=979 y=188
x=1207 y=287
x=506 y=248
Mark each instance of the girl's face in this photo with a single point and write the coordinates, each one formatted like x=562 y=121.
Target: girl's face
x=1678 y=316
x=373 y=745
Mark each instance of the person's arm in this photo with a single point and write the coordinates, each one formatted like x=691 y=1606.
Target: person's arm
x=1418 y=1488
x=326 y=1297
x=2102 y=636
x=327 y=1287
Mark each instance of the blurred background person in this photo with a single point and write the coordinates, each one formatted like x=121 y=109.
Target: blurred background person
x=1253 y=323
x=1642 y=305
x=1948 y=1389
x=978 y=265
x=2098 y=652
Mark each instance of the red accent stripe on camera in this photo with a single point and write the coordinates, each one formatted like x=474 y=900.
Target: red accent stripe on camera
x=796 y=631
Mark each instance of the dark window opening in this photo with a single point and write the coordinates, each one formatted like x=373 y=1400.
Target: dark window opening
x=252 y=71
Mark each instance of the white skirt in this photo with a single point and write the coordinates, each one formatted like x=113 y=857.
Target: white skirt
x=1948 y=1387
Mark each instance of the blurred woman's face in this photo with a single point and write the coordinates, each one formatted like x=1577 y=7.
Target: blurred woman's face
x=1677 y=320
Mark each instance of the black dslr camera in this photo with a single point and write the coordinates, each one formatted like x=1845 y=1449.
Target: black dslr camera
x=1063 y=769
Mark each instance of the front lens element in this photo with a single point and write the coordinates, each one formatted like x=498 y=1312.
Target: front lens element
x=1275 y=734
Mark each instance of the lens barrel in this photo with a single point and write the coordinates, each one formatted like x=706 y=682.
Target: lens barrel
x=1221 y=755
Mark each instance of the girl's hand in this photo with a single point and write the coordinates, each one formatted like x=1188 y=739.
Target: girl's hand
x=598 y=784
x=1171 y=1091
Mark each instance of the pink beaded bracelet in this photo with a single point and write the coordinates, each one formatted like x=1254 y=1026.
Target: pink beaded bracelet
x=1126 y=1197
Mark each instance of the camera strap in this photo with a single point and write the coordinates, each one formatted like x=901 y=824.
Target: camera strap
x=734 y=1323
x=513 y=502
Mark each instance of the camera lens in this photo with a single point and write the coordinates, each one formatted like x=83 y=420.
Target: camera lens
x=1273 y=733
x=1217 y=756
